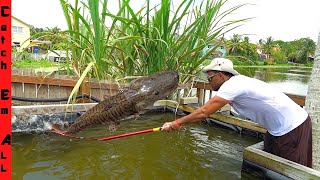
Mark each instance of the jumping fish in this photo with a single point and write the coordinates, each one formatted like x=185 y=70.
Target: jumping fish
x=140 y=94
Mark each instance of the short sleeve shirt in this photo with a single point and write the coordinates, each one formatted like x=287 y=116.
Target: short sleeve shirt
x=263 y=104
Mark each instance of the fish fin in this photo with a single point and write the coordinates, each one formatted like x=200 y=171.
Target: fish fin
x=136 y=116
x=113 y=126
x=58 y=127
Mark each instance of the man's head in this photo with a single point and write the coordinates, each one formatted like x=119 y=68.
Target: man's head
x=219 y=71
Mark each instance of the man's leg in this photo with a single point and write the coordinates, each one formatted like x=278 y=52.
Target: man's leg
x=296 y=145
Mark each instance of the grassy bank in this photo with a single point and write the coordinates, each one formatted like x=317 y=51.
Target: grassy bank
x=262 y=65
x=35 y=64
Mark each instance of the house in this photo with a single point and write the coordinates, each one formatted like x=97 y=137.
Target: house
x=262 y=56
x=220 y=51
x=20 y=34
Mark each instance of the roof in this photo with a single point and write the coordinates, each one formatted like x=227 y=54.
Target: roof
x=36 y=42
x=20 y=21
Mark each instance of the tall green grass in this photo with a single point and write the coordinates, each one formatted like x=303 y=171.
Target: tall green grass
x=143 y=41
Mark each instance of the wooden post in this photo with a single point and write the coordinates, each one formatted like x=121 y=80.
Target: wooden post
x=85 y=89
x=312 y=106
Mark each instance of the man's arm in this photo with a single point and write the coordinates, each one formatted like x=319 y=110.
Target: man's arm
x=213 y=105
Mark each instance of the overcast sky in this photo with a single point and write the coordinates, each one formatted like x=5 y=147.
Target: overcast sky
x=285 y=20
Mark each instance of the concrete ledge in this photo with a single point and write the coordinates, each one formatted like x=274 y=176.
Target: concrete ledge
x=51 y=109
x=171 y=103
x=189 y=100
x=256 y=155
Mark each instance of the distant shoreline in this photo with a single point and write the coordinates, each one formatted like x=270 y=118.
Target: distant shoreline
x=275 y=66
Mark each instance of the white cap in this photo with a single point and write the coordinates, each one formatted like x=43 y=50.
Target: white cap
x=220 y=64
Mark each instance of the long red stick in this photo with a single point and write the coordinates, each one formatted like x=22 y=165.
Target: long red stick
x=129 y=134
x=110 y=137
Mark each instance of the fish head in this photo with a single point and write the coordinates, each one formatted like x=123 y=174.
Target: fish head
x=155 y=87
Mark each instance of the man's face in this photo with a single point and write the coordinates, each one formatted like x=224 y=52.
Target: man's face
x=215 y=79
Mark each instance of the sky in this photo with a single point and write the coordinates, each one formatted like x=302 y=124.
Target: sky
x=285 y=20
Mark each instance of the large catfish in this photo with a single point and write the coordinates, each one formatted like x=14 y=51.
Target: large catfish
x=140 y=94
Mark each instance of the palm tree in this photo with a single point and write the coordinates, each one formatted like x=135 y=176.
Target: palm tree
x=234 y=44
x=268 y=45
x=261 y=42
x=246 y=39
x=313 y=108
x=308 y=48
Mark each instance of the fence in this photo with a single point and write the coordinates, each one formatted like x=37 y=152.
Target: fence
x=24 y=56
x=30 y=84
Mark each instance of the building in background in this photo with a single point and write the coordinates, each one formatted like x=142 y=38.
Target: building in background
x=20 y=34
x=220 y=50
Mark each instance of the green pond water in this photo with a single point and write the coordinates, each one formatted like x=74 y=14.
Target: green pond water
x=200 y=151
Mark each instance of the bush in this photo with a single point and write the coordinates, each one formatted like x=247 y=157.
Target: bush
x=279 y=57
x=269 y=61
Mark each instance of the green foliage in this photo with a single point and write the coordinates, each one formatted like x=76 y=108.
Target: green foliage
x=241 y=60
x=33 y=64
x=54 y=37
x=144 y=41
x=268 y=45
x=299 y=50
x=307 y=48
x=279 y=56
x=241 y=51
x=269 y=61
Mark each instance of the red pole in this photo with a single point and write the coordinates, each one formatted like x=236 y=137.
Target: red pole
x=110 y=137
x=125 y=135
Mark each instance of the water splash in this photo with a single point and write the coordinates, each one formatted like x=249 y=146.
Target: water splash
x=38 y=123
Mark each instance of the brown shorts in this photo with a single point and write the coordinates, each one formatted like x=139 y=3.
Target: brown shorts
x=295 y=145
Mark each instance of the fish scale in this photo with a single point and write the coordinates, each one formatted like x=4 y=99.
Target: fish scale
x=104 y=105
x=96 y=116
x=141 y=93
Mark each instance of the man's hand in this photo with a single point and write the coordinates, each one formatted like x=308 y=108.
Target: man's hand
x=169 y=126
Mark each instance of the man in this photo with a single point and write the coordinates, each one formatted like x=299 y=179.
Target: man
x=288 y=125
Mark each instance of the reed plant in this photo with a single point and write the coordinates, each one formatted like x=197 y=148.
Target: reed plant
x=144 y=41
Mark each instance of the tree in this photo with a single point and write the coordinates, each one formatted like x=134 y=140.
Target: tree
x=234 y=44
x=54 y=35
x=242 y=49
x=267 y=46
x=246 y=39
x=34 y=31
x=313 y=108
x=307 y=49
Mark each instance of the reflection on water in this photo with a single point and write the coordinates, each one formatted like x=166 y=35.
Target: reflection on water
x=293 y=80
x=199 y=151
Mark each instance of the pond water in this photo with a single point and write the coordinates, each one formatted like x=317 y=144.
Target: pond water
x=201 y=151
